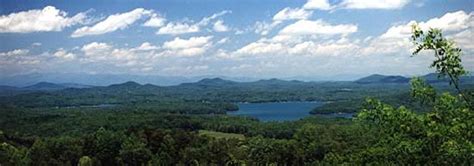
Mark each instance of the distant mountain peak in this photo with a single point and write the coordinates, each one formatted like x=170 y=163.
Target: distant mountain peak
x=214 y=80
x=43 y=83
x=378 y=78
x=128 y=84
x=45 y=86
x=271 y=80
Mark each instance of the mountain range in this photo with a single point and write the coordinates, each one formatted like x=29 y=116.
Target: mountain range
x=430 y=78
x=217 y=81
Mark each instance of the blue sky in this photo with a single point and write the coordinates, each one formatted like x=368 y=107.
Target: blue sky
x=240 y=38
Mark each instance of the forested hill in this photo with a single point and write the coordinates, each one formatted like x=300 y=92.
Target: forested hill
x=377 y=78
x=430 y=78
x=212 y=90
x=223 y=84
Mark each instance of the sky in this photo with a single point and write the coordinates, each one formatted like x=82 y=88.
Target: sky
x=236 y=38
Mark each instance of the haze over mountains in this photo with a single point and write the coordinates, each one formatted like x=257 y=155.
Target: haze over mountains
x=103 y=79
x=57 y=83
x=108 y=79
x=86 y=80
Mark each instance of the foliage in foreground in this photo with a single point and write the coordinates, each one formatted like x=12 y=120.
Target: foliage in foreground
x=442 y=136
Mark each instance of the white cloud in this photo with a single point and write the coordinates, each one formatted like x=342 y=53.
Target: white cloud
x=465 y=39
x=187 y=47
x=324 y=48
x=456 y=25
x=308 y=27
x=220 y=27
x=374 y=4
x=16 y=52
x=19 y=60
x=96 y=48
x=223 y=40
x=304 y=37
x=108 y=56
x=318 y=4
x=63 y=54
x=307 y=47
x=263 y=28
x=179 y=43
x=454 y=21
x=155 y=21
x=292 y=14
x=176 y=28
x=47 y=19
x=112 y=23
x=385 y=46
x=262 y=48
x=207 y=20
x=146 y=46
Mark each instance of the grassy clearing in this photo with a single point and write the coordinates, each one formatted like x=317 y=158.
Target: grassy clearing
x=216 y=134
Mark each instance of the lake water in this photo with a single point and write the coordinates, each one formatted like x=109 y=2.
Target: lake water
x=285 y=111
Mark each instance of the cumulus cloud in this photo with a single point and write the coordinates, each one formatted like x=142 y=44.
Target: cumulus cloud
x=180 y=27
x=47 y=19
x=179 y=43
x=465 y=39
x=292 y=14
x=16 y=52
x=146 y=46
x=308 y=27
x=63 y=54
x=220 y=27
x=453 y=21
x=456 y=25
x=303 y=37
x=263 y=27
x=112 y=23
x=142 y=56
x=374 y=4
x=96 y=48
x=331 y=48
x=223 y=40
x=137 y=59
x=18 y=60
x=262 y=48
x=318 y=4
x=187 y=47
x=207 y=20
x=155 y=21
x=307 y=47
x=175 y=28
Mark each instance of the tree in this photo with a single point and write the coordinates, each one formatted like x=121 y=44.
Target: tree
x=134 y=152
x=104 y=145
x=11 y=155
x=442 y=136
x=447 y=54
x=85 y=161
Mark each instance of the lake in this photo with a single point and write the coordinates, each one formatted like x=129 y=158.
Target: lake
x=283 y=111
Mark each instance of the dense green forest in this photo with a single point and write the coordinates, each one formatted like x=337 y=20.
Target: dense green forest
x=130 y=124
